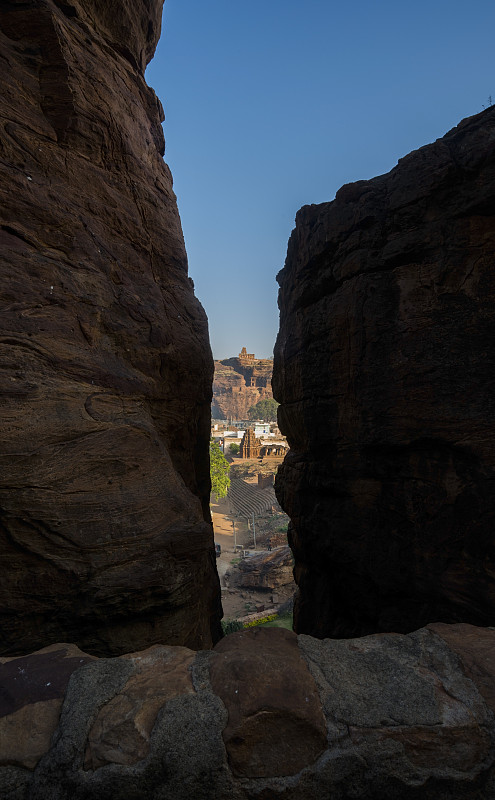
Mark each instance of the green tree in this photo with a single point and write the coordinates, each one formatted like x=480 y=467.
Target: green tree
x=231 y=626
x=234 y=448
x=219 y=471
x=264 y=409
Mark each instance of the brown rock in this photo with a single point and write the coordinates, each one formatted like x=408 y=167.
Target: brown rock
x=476 y=649
x=105 y=366
x=267 y=688
x=31 y=696
x=121 y=732
x=268 y=570
x=240 y=383
x=384 y=367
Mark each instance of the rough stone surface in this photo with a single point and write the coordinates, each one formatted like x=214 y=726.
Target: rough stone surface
x=267 y=570
x=105 y=366
x=121 y=731
x=31 y=695
x=238 y=384
x=476 y=649
x=415 y=723
x=266 y=687
x=266 y=714
x=384 y=368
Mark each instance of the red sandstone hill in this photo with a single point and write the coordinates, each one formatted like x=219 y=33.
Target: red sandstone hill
x=240 y=383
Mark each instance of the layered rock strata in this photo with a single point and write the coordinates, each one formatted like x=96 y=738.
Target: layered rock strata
x=238 y=384
x=266 y=714
x=105 y=365
x=384 y=366
x=268 y=570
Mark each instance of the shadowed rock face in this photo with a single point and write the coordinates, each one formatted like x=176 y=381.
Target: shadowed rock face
x=266 y=714
x=105 y=366
x=268 y=570
x=384 y=366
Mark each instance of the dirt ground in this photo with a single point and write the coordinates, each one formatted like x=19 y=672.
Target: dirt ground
x=236 y=601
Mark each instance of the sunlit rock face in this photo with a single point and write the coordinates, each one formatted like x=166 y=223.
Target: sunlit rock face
x=238 y=386
x=105 y=365
x=384 y=366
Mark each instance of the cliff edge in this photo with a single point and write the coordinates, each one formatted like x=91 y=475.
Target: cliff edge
x=105 y=364
x=384 y=368
x=239 y=383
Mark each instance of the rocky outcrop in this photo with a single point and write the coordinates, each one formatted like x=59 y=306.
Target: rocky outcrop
x=268 y=570
x=105 y=366
x=238 y=384
x=266 y=714
x=384 y=367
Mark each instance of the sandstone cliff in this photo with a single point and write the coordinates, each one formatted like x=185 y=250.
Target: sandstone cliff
x=105 y=366
x=384 y=366
x=238 y=384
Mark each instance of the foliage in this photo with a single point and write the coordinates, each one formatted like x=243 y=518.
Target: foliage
x=264 y=409
x=269 y=621
x=231 y=626
x=219 y=471
x=260 y=621
x=234 y=448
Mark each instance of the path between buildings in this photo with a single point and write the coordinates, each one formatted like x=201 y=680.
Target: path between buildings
x=236 y=603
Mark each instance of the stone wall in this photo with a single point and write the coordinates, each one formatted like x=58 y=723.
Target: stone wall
x=266 y=714
x=384 y=368
x=105 y=365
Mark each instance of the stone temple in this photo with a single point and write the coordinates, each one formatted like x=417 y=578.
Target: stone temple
x=250 y=445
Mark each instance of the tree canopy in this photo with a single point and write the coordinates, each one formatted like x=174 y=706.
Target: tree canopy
x=265 y=410
x=219 y=471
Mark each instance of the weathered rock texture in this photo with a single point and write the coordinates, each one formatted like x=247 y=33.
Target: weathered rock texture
x=105 y=366
x=240 y=383
x=266 y=714
x=268 y=570
x=385 y=367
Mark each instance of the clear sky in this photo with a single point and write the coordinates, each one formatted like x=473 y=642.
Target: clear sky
x=273 y=104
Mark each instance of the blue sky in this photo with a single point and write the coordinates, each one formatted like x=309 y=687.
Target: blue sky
x=274 y=104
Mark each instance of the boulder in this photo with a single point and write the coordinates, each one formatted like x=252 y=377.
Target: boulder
x=268 y=570
x=266 y=714
x=384 y=368
x=105 y=365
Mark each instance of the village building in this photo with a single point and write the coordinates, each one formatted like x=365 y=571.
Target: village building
x=273 y=449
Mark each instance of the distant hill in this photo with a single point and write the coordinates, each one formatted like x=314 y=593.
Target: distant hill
x=240 y=383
